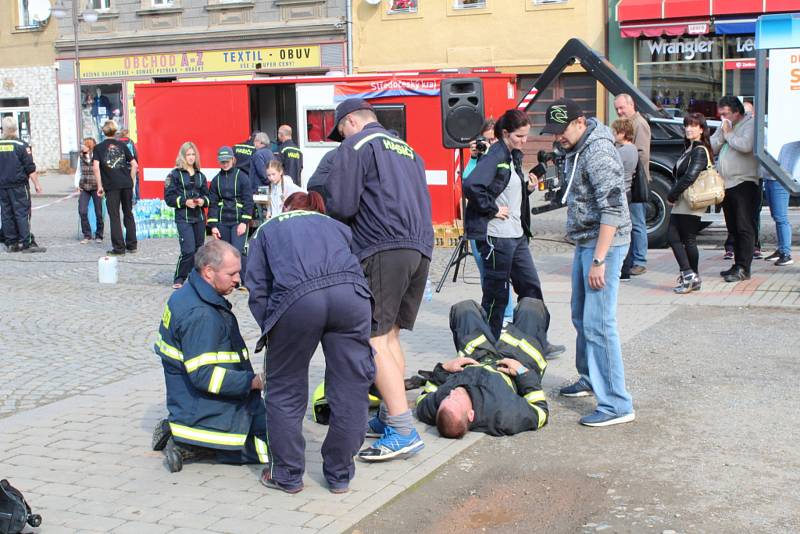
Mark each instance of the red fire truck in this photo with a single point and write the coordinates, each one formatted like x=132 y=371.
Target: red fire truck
x=212 y=114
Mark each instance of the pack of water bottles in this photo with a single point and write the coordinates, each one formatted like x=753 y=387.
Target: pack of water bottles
x=154 y=219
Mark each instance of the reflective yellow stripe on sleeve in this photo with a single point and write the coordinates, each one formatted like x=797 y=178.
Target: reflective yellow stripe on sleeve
x=248 y=217
x=535 y=396
x=208 y=436
x=211 y=358
x=503 y=166
x=542 y=416
x=526 y=347
x=472 y=345
x=215 y=384
x=261 y=450
x=168 y=350
x=429 y=387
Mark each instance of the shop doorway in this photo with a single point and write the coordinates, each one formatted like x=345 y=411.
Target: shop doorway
x=271 y=106
x=19 y=109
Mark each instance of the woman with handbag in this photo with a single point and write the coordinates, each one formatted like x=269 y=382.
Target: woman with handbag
x=685 y=222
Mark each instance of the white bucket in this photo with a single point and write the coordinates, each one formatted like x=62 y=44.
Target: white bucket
x=107 y=270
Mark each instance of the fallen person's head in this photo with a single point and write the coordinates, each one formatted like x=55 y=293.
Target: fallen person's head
x=455 y=414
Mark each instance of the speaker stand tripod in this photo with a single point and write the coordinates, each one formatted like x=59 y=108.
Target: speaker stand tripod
x=462 y=248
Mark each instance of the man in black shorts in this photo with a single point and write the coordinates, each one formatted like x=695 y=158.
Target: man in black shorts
x=377 y=185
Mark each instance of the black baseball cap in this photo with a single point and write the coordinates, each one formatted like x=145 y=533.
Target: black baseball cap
x=225 y=153
x=559 y=114
x=344 y=109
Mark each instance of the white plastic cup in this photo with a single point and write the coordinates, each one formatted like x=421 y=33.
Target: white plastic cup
x=107 y=270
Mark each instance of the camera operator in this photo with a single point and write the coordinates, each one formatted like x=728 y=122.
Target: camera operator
x=498 y=219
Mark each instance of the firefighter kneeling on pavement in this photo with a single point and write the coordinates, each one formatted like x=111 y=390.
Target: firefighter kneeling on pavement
x=213 y=395
x=493 y=386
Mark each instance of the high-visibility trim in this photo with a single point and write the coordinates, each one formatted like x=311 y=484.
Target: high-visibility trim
x=208 y=436
x=535 y=396
x=245 y=354
x=215 y=384
x=212 y=219
x=261 y=450
x=526 y=347
x=239 y=205
x=248 y=217
x=370 y=137
x=211 y=358
x=168 y=350
x=166 y=317
x=472 y=345
x=489 y=368
x=178 y=202
x=542 y=416
x=504 y=166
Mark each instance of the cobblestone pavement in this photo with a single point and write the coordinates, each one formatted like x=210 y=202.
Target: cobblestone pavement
x=82 y=389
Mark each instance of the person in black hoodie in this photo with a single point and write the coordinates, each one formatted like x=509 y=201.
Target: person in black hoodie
x=186 y=190
x=290 y=155
x=307 y=287
x=498 y=219
x=377 y=185
x=231 y=203
x=684 y=222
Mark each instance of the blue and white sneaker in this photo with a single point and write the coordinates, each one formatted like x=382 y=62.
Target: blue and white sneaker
x=392 y=445
x=599 y=418
x=375 y=427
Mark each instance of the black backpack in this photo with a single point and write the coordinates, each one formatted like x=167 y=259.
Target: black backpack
x=14 y=510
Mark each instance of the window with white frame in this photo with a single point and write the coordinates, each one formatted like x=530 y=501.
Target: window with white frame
x=545 y=2
x=163 y=3
x=469 y=4
x=402 y=6
x=100 y=5
x=24 y=20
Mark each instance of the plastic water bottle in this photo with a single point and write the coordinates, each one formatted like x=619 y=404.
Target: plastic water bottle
x=428 y=295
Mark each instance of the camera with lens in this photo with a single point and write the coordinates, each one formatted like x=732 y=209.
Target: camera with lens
x=481 y=145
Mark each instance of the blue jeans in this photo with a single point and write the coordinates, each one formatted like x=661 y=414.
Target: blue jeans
x=778 y=200
x=598 y=354
x=638 y=233
x=509 y=311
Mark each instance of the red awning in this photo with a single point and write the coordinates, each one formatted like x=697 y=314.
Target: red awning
x=658 y=28
x=649 y=10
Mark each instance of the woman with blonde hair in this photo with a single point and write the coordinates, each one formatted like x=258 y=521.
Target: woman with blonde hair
x=186 y=190
x=279 y=187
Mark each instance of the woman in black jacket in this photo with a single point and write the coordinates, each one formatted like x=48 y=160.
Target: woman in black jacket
x=186 y=190
x=684 y=222
x=498 y=218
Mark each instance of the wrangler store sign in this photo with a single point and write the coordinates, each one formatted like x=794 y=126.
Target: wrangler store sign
x=201 y=61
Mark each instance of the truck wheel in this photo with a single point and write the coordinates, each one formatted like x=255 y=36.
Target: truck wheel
x=657 y=214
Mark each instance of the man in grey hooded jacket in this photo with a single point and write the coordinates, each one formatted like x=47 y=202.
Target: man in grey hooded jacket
x=598 y=222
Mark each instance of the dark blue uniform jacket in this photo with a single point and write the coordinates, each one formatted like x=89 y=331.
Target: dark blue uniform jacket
x=377 y=185
x=231 y=198
x=258 y=166
x=487 y=180
x=16 y=163
x=243 y=152
x=207 y=369
x=181 y=186
x=292 y=159
x=293 y=254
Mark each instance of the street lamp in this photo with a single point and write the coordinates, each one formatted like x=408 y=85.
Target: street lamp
x=89 y=15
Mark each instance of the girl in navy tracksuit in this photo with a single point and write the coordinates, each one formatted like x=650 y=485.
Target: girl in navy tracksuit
x=229 y=211
x=307 y=287
x=186 y=190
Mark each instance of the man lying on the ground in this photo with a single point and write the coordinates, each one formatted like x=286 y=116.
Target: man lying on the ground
x=493 y=386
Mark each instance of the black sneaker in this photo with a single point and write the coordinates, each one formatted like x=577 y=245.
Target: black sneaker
x=174 y=456
x=131 y=250
x=784 y=259
x=553 y=351
x=774 y=256
x=33 y=249
x=113 y=252
x=726 y=272
x=625 y=277
x=16 y=247
x=737 y=275
x=578 y=389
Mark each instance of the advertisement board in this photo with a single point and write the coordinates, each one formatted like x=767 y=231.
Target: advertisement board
x=783 y=135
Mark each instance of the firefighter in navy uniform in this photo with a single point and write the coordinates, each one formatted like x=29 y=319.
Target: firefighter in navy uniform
x=213 y=395
x=231 y=203
x=186 y=190
x=307 y=287
x=16 y=168
x=243 y=152
x=290 y=155
x=493 y=386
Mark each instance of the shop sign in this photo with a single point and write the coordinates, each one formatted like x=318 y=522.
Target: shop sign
x=201 y=61
x=740 y=64
x=745 y=45
x=783 y=139
x=687 y=48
